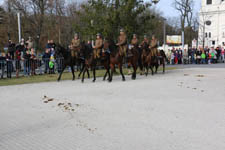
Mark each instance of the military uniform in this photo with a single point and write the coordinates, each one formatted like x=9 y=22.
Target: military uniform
x=75 y=47
x=122 y=43
x=98 y=47
x=134 y=42
x=145 y=46
x=153 y=47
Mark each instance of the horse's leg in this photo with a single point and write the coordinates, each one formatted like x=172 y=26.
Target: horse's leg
x=85 y=69
x=72 y=69
x=59 y=78
x=156 y=68
x=163 y=65
x=106 y=73
x=151 y=69
x=81 y=70
x=88 y=74
x=121 y=71
x=147 y=68
x=134 y=73
x=112 y=68
x=94 y=69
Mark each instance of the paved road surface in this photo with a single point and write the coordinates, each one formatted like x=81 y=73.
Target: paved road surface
x=181 y=110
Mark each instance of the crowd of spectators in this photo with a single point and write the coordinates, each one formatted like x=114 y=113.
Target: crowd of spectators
x=23 y=57
x=196 y=56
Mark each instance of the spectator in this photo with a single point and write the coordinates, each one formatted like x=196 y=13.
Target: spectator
x=185 y=57
x=11 y=49
x=213 y=54
x=51 y=65
x=222 y=54
x=172 y=58
x=18 y=59
x=198 y=56
x=33 y=62
x=203 y=57
x=26 y=58
x=9 y=65
x=179 y=57
x=2 y=64
x=46 y=58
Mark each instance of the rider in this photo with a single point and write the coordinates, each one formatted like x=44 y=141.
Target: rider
x=145 y=41
x=122 y=43
x=134 y=41
x=153 y=46
x=98 y=46
x=75 y=45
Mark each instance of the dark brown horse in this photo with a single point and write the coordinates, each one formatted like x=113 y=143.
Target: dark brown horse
x=161 y=60
x=133 y=60
x=116 y=58
x=68 y=60
x=92 y=62
x=147 y=59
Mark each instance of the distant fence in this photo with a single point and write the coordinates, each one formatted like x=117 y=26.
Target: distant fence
x=11 y=68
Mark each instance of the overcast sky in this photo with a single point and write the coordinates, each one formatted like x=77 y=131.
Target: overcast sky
x=165 y=6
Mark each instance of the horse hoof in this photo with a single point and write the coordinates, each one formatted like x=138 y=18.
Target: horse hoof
x=82 y=81
x=93 y=81
x=124 y=79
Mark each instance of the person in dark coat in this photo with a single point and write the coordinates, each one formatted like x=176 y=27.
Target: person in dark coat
x=46 y=58
x=2 y=64
x=11 y=49
x=26 y=58
x=9 y=65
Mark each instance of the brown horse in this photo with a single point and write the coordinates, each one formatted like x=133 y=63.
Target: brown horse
x=133 y=60
x=92 y=62
x=116 y=58
x=147 y=59
x=161 y=60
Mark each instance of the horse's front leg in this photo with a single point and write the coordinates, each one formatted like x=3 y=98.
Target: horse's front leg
x=81 y=70
x=59 y=78
x=94 y=73
x=121 y=72
x=85 y=69
x=111 y=74
x=72 y=69
x=135 y=70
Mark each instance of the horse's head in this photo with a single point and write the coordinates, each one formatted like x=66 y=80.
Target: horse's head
x=59 y=51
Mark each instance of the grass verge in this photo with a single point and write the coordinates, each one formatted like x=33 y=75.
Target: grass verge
x=53 y=77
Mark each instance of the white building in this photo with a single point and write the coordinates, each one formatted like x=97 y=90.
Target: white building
x=212 y=23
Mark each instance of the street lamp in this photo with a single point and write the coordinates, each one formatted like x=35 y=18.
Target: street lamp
x=164 y=33
x=92 y=37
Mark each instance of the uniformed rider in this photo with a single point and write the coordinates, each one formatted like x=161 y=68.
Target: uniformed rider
x=75 y=45
x=98 y=46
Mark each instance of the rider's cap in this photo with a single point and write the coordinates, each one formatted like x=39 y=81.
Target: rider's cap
x=98 y=34
x=121 y=30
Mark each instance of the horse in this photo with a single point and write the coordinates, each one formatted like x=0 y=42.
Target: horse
x=161 y=60
x=133 y=60
x=147 y=59
x=68 y=60
x=92 y=62
x=116 y=58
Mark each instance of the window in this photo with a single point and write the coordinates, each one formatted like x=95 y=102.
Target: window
x=208 y=2
x=213 y=42
x=209 y=34
x=206 y=34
